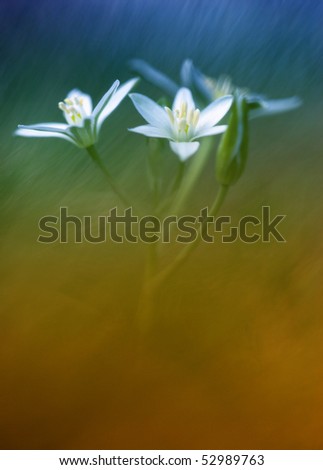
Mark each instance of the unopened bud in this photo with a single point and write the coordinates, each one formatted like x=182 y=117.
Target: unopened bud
x=233 y=148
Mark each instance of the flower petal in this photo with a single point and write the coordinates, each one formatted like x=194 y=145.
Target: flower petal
x=186 y=73
x=268 y=107
x=195 y=80
x=210 y=131
x=201 y=83
x=46 y=127
x=87 y=100
x=184 y=149
x=151 y=111
x=52 y=126
x=154 y=76
x=115 y=100
x=151 y=131
x=23 y=131
x=104 y=100
x=183 y=95
x=213 y=113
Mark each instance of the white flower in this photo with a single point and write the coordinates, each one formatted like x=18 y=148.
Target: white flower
x=83 y=122
x=209 y=89
x=182 y=124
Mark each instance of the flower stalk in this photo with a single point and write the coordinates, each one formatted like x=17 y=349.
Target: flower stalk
x=188 y=249
x=92 y=151
x=194 y=171
x=154 y=280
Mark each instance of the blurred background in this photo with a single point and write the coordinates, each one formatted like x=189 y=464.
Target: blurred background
x=233 y=356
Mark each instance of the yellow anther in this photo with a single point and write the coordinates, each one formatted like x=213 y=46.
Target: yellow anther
x=73 y=109
x=184 y=119
x=63 y=107
x=79 y=101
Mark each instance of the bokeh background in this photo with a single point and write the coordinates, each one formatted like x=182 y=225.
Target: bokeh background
x=233 y=358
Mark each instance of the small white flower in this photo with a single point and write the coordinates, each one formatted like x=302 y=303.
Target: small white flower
x=83 y=122
x=182 y=124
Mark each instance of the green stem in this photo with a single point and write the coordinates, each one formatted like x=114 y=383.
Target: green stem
x=182 y=257
x=195 y=169
x=154 y=169
x=175 y=187
x=92 y=151
x=153 y=281
x=179 y=178
x=154 y=181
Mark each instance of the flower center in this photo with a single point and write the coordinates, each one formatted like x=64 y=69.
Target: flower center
x=183 y=120
x=73 y=109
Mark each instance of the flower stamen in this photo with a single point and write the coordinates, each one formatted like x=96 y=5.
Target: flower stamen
x=183 y=120
x=73 y=109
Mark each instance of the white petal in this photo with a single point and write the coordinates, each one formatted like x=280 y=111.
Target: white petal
x=210 y=131
x=154 y=76
x=183 y=95
x=276 y=106
x=151 y=131
x=33 y=133
x=116 y=99
x=46 y=127
x=184 y=149
x=54 y=125
x=87 y=100
x=213 y=113
x=87 y=104
x=105 y=100
x=151 y=111
x=74 y=92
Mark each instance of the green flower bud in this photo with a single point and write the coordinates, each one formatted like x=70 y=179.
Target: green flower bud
x=233 y=148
